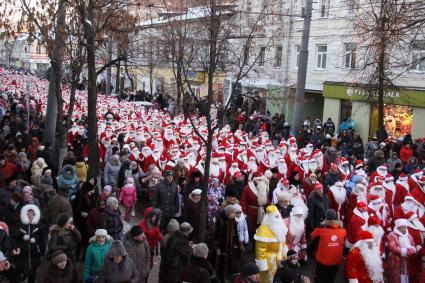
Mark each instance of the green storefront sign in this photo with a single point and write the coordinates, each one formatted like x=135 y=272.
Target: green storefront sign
x=402 y=96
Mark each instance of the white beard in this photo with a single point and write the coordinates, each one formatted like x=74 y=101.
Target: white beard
x=158 y=145
x=296 y=228
x=298 y=201
x=382 y=173
x=223 y=165
x=377 y=232
x=373 y=262
x=293 y=156
x=156 y=155
x=252 y=166
x=146 y=152
x=262 y=193
x=313 y=166
x=381 y=193
x=339 y=195
x=277 y=226
x=407 y=206
x=244 y=158
x=233 y=170
x=273 y=161
x=214 y=170
x=282 y=168
x=344 y=170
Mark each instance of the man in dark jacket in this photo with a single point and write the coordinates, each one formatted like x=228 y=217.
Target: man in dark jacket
x=166 y=198
x=138 y=250
x=236 y=184
x=332 y=177
x=329 y=126
x=199 y=268
x=318 y=203
x=177 y=255
x=290 y=270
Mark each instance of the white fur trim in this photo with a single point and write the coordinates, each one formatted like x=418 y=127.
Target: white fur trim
x=24 y=212
x=403 y=252
x=26 y=237
x=265 y=240
x=32 y=240
x=353 y=281
x=262 y=264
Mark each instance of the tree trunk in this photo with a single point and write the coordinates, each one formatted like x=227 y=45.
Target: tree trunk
x=91 y=93
x=381 y=75
x=117 y=79
x=52 y=110
x=109 y=70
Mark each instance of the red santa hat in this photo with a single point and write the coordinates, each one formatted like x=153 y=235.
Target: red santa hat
x=373 y=220
x=422 y=180
x=418 y=197
x=364 y=236
x=374 y=199
x=318 y=186
x=361 y=204
x=237 y=174
x=389 y=178
x=334 y=166
x=359 y=164
x=285 y=182
x=401 y=222
x=418 y=172
x=375 y=185
x=402 y=177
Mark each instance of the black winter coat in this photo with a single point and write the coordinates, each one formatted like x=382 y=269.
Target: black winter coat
x=317 y=206
x=176 y=256
x=199 y=270
x=166 y=198
x=67 y=275
x=66 y=241
x=112 y=223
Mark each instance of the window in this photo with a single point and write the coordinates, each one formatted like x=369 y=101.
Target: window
x=324 y=8
x=302 y=9
x=322 y=51
x=350 y=55
x=351 y=7
x=418 y=61
x=278 y=56
x=38 y=49
x=262 y=57
x=297 y=55
x=27 y=48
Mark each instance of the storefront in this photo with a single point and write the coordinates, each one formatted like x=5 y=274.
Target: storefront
x=404 y=109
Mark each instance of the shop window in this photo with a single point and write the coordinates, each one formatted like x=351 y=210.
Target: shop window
x=398 y=120
x=322 y=51
x=350 y=55
x=278 y=56
x=262 y=57
x=346 y=108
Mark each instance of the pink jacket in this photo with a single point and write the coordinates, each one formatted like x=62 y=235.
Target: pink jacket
x=128 y=195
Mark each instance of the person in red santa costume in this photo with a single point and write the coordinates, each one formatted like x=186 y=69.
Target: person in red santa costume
x=296 y=237
x=253 y=201
x=402 y=189
x=282 y=186
x=282 y=169
x=381 y=171
x=344 y=169
x=216 y=171
x=390 y=191
x=379 y=208
x=358 y=194
x=357 y=222
x=417 y=230
x=374 y=227
x=414 y=178
x=407 y=206
x=364 y=264
x=402 y=247
x=338 y=198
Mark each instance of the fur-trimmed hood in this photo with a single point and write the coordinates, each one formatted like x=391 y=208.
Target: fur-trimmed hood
x=116 y=249
x=24 y=212
x=108 y=239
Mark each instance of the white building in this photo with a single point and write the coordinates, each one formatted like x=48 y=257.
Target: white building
x=331 y=75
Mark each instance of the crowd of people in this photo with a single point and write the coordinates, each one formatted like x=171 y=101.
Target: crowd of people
x=286 y=200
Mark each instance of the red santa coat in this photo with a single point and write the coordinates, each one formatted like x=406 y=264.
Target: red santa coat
x=413 y=183
x=339 y=208
x=296 y=243
x=352 y=203
x=250 y=206
x=397 y=262
x=383 y=214
x=402 y=189
x=356 y=267
x=357 y=222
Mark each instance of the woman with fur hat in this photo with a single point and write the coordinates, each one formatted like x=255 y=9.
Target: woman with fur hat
x=29 y=197
x=61 y=270
x=95 y=254
x=28 y=242
x=118 y=266
x=112 y=219
x=37 y=170
x=64 y=236
x=138 y=250
x=191 y=212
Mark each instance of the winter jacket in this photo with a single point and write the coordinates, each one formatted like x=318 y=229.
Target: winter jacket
x=317 y=206
x=199 y=270
x=70 y=182
x=111 y=173
x=152 y=232
x=7 y=170
x=81 y=169
x=95 y=256
x=166 y=198
x=125 y=271
x=94 y=219
x=38 y=166
x=67 y=275
x=112 y=223
x=191 y=214
x=330 y=180
x=128 y=195
x=176 y=257
x=140 y=253
x=65 y=240
x=58 y=205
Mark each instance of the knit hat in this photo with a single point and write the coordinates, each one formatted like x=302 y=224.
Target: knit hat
x=116 y=249
x=111 y=201
x=186 y=228
x=229 y=209
x=200 y=250
x=230 y=193
x=63 y=218
x=136 y=231
x=330 y=214
x=101 y=232
x=250 y=268
x=282 y=196
x=291 y=254
x=58 y=256
x=196 y=192
x=173 y=226
x=107 y=189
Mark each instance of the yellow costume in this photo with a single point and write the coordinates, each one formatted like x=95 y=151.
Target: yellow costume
x=269 y=251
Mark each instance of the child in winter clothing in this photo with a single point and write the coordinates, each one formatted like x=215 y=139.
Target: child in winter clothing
x=242 y=227
x=128 y=197
x=106 y=193
x=150 y=226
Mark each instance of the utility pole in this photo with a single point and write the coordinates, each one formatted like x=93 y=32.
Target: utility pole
x=302 y=67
